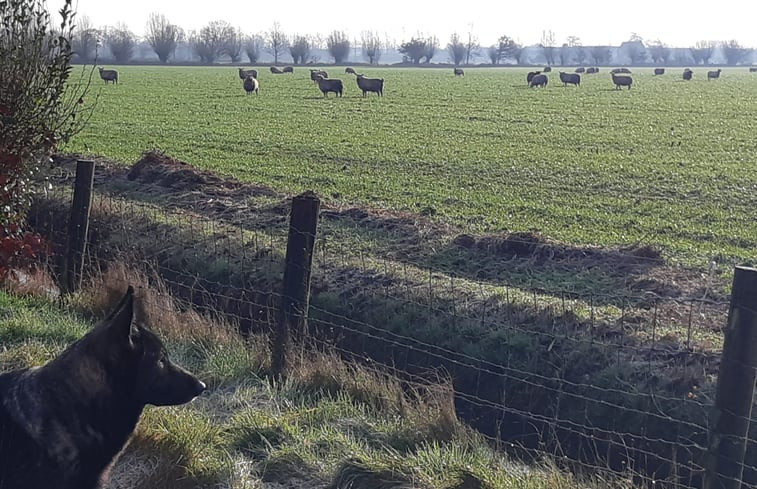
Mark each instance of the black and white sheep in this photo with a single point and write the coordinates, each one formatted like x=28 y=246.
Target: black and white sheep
x=251 y=85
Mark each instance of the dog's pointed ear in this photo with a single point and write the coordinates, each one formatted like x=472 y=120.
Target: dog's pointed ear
x=120 y=319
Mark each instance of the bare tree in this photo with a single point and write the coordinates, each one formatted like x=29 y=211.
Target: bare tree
x=299 y=48
x=471 y=47
x=432 y=44
x=505 y=48
x=571 y=45
x=635 y=49
x=548 y=46
x=211 y=42
x=372 y=46
x=253 y=45
x=276 y=41
x=660 y=52
x=702 y=51
x=338 y=45
x=234 y=44
x=163 y=36
x=414 y=49
x=85 y=41
x=456 y=49
x=121 y=42
x=734 y=52
x=600 y=54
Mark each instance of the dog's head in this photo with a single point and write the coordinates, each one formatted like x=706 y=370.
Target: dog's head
x=156 y=379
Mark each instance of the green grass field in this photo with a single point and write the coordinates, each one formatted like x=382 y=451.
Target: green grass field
x=668 y=163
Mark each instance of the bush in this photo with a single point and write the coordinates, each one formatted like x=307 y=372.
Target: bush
x=38 y=106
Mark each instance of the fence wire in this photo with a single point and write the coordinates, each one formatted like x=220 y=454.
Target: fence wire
x=610 y=381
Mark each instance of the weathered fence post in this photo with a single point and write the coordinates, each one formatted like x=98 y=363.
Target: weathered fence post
x=295 y=294
x=735 y=389
x=78 y=225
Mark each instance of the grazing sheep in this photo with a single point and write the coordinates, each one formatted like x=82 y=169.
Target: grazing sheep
x=620 y=70
x=711 y=75
x=580 y=70
x=276 y=71
x=459 y=72
x=288 y=69
x=251 y=85
x=687 y=74
x=753 y=69
x=316 y=73
x=349 y=70
x=108 y=75
x=531 y=75
x=592 y=70
x=547 y=69
x=621 y=81
x=371 y=85
x=573 y=78
x=539 y=81
x=245 y=73
x=327 y=85
x=659 y=71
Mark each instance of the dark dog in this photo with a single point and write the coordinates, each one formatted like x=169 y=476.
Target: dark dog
x=62 y=425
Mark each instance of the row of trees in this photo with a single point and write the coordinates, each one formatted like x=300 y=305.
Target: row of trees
x=219 y=38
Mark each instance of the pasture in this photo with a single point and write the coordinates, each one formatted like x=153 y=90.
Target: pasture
x=668 y=163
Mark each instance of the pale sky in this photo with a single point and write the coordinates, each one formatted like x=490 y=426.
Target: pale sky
x=675 y=22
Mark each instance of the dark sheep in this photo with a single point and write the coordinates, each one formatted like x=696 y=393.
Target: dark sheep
x=245 y=73
x=327 y=85
x=459 y=72
x=316 y=73
x=621 y=70
x=251 y=85
x=108 y=75
x=531 y=75
x=276 y=71
x=592 y=70
x=621 y=81
x=580 y=70
x=711 y=75
x=567 y=78
x=371 y=85
x=659 y=71
x=753 y=69
x=350 y=71
x=687 y=74
x=539 y=81
x=288 y=69
x=547 y=69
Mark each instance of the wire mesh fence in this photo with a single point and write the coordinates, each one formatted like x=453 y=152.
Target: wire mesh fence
x=598 y=378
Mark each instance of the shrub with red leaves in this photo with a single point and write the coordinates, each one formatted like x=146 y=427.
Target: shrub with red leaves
x=21 y=251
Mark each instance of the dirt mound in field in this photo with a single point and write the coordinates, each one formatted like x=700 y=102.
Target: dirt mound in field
x=538 y=246
x=157 y=168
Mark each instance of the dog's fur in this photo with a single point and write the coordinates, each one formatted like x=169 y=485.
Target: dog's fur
x=63 y=425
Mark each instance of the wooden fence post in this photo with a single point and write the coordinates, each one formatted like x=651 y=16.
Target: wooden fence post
x=78 y=225
x=735 y=389
x=295 y=296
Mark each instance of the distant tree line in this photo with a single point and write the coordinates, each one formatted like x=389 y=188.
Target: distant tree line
x=219 y=40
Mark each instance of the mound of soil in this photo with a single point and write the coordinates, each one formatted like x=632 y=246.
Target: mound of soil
x=157 y=168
